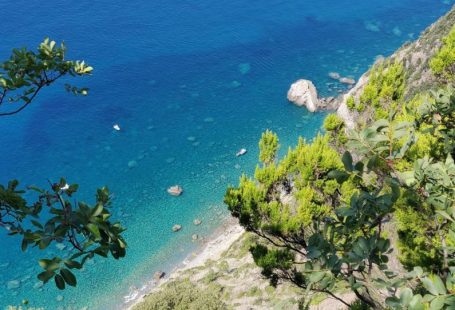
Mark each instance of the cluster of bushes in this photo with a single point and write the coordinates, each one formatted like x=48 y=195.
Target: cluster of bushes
x=182 y=295
x=443 y=63
x=323 y=214
x=384 y=89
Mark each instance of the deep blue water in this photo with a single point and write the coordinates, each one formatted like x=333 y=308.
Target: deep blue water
x=166 y=71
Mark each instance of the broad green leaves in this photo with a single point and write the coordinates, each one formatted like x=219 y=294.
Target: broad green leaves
x=86 y=230
x=26 y=72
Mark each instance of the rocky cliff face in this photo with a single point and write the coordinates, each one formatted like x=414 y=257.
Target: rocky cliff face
x=415 y=57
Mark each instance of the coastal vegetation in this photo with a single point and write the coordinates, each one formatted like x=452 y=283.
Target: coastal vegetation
x=363 y=214
x=443 y=63
x=42 y=217
x=333 y=211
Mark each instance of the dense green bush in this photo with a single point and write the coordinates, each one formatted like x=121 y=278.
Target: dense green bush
x=385 y=87
x=443 y=63
x=183 y=295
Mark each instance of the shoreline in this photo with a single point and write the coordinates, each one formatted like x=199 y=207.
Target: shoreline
x=216 y=244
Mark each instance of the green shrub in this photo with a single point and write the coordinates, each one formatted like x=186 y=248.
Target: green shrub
x=385 y=87
x=182 y=296
x=350 y=102
x=333 y=122
x=443 y=62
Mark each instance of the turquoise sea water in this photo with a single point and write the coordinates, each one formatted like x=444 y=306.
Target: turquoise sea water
x=172 y=75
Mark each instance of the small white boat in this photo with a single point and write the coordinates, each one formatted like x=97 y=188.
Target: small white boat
x=175 y=190
x=241 y=152
x=116 y=127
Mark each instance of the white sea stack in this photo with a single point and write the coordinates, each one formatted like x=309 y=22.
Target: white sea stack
x=304 y=93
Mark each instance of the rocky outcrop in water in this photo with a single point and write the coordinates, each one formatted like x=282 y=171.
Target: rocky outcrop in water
x=304 y=93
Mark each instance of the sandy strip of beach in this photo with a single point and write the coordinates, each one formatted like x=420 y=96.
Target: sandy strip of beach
x=219 y=242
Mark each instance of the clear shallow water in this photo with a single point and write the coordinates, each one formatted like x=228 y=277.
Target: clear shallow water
x=165 y=72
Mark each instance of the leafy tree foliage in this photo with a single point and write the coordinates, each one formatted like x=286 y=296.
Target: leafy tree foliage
x=268 y=146
x=323 y=217
x=27 y=72
x=46 y=216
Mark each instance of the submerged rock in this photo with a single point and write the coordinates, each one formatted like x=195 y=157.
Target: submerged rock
x=397 y=31
x=244 y=68
x=194 y=237
x=304 y=93
x=235 y=84
x=372 y=26
x=334 y=75
x=346 y=80
x=13 y=284
x=197 y=222
x=176 y=227
x=132 y=164
x=38 y=285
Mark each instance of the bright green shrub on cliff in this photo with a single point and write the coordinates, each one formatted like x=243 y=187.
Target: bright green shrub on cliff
x=334 y=125
x=333 y=122
x=268 y=146
x=350 y=102
x=183 y=295
x=443 y=63
x=385 y=87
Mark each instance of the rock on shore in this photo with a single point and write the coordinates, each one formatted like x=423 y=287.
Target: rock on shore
x=304 y=93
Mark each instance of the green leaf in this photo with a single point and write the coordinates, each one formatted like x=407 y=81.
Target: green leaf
x=97 y=210
x=44 y=263
x=68 y=276
x=94 y=230
x=347 y=161
x=445 y=215
x=416 y=303
x=72 y=264
x=406 y=296
x=37 y=224
x=59 y=282
x=46 y=276
x=434 y=285
x=437 y=303
x=24 y=245
x=316 y=276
